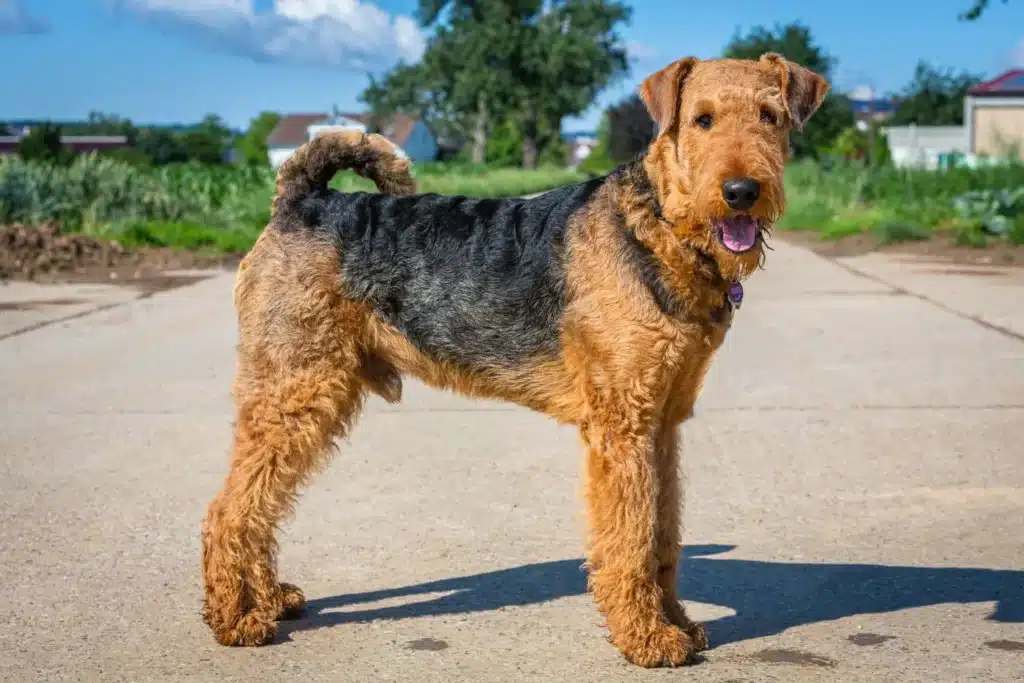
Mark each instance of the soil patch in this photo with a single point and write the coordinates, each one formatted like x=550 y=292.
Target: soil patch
x=939 y=248
x=44 y=254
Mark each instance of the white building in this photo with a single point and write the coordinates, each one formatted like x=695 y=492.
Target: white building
x=410 y=136
x=924 y=146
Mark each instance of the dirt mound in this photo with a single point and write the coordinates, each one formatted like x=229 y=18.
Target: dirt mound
x=44 y=253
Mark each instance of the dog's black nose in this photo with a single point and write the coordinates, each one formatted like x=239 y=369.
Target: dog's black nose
x=741 y=193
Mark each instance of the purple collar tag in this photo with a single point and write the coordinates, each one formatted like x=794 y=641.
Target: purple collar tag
x=735 y=294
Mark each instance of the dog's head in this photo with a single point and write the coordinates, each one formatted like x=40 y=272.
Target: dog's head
x=722 y=144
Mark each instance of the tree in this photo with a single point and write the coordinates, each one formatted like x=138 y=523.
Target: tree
x=207 y=142
x=794 y=42
x=161 y=146
x=529 y=61
x=43 y=143
x=403 y=89
x=934 y=97
x=252 y=147
x=461 y=84
x=630 y=129
x=976 y=10
x=564 y=59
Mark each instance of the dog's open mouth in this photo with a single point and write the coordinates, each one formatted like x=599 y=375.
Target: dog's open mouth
x=738 y=233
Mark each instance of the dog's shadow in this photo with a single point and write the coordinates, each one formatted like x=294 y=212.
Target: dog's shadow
x=767 y=597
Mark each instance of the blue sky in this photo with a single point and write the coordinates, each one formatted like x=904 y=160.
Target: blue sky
x=164 y=61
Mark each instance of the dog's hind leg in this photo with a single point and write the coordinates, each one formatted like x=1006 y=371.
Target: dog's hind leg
x=298 y=387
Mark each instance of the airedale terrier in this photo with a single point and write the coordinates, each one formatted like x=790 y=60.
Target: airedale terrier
x=600 y=305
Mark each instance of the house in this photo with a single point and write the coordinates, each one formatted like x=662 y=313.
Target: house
x=929 y=147
x=994 y=116
x=410 y=136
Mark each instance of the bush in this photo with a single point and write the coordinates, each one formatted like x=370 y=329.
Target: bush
x=504 y=145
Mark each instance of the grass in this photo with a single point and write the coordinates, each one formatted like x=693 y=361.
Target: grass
x=893 y=205
x=220 y=209
x=183 y=235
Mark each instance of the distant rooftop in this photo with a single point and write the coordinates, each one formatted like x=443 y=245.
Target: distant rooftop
x=1009 y=83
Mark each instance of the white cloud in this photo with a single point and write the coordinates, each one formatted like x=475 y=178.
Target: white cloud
x=348 y=33
x=14 y=18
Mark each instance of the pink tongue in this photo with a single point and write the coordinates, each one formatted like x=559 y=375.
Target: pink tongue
x=739 y=234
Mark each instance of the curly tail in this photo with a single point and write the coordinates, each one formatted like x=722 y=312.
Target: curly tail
x=313 y=165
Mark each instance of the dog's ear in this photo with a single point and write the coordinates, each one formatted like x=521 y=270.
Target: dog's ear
x=803 y=90
x=662 y=90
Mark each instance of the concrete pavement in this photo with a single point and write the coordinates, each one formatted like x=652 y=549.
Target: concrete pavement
x=855 y=502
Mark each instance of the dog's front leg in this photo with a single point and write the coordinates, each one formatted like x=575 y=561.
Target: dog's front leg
x=622 y=492
x=668 y=541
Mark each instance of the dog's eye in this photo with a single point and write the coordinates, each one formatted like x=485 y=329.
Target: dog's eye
x=704 y=121
x=768 y=116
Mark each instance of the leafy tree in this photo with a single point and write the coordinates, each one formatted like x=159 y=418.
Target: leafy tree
x=934 y=97
x=459 y=88
x=43 y=144
x=403 y=89
x=794 y=42
x=161 y=146
x=565 y=58
x=207 y=142
x=529 y=61
x=252 y=147
x=630 y=129
x=976 y=10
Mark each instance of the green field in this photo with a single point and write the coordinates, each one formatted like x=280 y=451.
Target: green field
x=973 y=206
x=201 y=207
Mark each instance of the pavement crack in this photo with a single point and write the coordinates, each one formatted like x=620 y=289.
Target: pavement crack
x=63 y=319
x=903 y=291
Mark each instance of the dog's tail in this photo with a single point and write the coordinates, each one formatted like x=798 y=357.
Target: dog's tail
x=313 y=165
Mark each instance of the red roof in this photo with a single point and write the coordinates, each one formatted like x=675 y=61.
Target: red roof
x=1009 y=83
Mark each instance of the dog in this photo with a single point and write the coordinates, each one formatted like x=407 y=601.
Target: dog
x=600 y=304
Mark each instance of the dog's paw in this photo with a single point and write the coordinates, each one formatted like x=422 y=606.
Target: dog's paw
x=666 y=645
x=677 y=615
x=293 y=602
x=250 y=630
x=699 y=635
